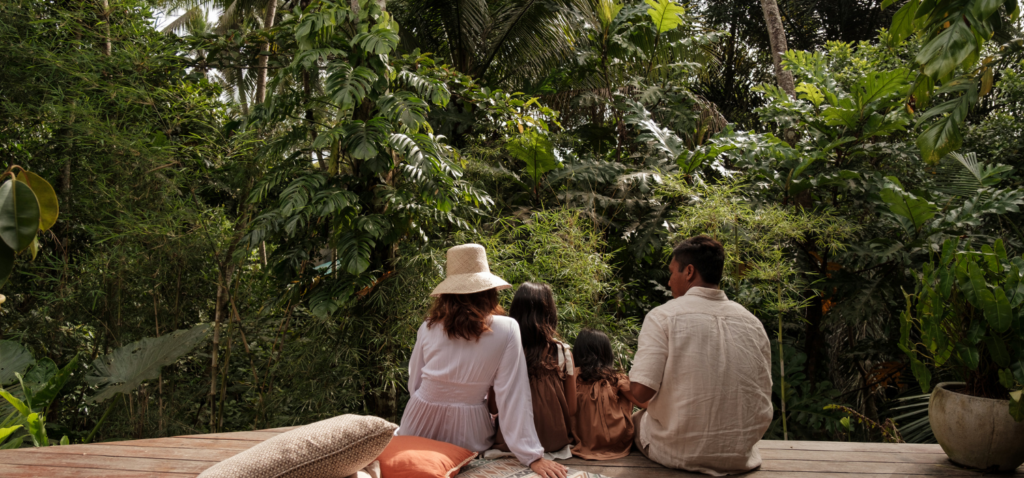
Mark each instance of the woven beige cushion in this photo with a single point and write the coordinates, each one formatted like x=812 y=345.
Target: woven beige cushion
x=332 y=448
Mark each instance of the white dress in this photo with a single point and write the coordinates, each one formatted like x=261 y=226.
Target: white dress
x=448 y=384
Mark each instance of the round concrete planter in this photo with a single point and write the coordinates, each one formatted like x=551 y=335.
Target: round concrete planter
x=976 y=432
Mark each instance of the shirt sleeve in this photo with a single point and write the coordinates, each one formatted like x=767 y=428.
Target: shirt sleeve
x=512 y=392
x=651 y=355
x=416 y=364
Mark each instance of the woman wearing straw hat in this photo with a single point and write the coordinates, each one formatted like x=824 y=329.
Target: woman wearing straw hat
x=463 y=349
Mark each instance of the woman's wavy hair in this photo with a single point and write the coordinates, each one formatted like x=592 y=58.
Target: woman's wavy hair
x=464 y=316
x=534 y=308
x=592 y=353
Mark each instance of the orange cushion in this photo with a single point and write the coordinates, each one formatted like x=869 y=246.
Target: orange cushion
x=416 y=457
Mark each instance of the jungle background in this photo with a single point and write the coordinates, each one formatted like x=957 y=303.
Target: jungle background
x=286 y=175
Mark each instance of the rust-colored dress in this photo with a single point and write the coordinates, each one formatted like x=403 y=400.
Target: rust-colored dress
x=550 y=406
x=603 y=428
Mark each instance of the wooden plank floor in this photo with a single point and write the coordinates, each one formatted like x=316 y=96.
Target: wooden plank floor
x=187 y=456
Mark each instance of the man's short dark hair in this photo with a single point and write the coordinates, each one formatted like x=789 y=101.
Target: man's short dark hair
x=706 y=254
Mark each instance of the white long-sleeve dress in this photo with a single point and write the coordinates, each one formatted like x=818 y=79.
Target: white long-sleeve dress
x=448 y=384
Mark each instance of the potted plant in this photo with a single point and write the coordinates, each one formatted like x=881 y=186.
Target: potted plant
x=967 y=316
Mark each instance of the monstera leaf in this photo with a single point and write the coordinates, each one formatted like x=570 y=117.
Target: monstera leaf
x=14 y=358
x=124 y=369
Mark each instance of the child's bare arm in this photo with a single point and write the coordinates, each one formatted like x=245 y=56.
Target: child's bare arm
x=626 y=392
x=570 y=393
x=492 y=403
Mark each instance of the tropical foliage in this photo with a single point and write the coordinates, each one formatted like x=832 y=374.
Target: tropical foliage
x=253 y=207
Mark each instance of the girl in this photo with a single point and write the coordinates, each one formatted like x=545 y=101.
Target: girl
x=550 y=368
x=603 y=427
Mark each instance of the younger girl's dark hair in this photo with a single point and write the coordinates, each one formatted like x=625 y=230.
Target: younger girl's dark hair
x=593 y=355
x=534 y=308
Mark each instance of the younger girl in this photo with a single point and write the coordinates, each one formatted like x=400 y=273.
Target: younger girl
x=550 y=368
x=603 y=427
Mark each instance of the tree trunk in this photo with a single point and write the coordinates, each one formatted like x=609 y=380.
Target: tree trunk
x=777 y=37
x=107 y=47
x=261 y=73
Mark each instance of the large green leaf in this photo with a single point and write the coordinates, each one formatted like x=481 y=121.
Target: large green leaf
x=665 y=14
x=364 y=139
x=902 y=23
x=947 y=50
x=14 y=358
x=15 y=402
x=997 y=350
x=348 y=86
x=49 y=207
x=42 y=392
x=37 y=429
x=1002 y=313
x=6 y=432
x=125 y=368
x=536 y=151
x=918 y=210
x=19 y=215
x=944 y=136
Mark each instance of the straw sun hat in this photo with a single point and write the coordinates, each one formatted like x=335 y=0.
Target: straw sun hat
x=468 y=272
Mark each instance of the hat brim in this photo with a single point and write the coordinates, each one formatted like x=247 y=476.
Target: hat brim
x=470 y=283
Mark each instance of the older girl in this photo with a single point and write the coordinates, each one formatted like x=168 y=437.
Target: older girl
x=550 y=367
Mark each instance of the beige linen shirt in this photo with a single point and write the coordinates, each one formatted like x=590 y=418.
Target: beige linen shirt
x=709 y=361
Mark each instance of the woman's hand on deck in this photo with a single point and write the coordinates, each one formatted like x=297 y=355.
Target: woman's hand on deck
x=548 y=469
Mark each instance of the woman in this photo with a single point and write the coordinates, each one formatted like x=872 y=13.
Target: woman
x=462 y=350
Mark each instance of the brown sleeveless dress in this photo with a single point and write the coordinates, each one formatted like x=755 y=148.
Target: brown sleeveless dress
x=550 y=408
x=603 y=428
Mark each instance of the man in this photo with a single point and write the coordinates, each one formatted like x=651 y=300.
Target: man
x=704 y=363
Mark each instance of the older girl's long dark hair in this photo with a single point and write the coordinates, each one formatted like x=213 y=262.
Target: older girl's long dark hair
x=534 y=308
x=592 y=353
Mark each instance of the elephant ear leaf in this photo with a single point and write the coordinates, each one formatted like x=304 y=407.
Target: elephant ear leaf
x=14 y=358
x=19 y=215
x=49 y=208
x=125 y=368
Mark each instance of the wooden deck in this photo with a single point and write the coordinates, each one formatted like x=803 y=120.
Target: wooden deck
x=187 y=456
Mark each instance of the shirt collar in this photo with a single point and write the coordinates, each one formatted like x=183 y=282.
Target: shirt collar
x=706 y=293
